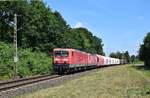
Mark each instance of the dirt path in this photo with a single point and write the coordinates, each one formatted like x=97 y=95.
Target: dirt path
x=112 y=82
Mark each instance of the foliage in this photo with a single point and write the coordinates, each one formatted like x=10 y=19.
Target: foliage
x=127 y=56
x=83 y=39
x=30 y=63
x=41 y=29
x=6 y=61
x=144 y=52
x=133 y=58
x=120 y=55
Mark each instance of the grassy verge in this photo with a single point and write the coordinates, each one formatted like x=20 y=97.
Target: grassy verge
x=113 y=82
x=144 y=69
x=138 y=62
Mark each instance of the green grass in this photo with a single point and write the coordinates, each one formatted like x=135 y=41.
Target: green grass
x=112 y=82
x=144 y=69
x=138 y=62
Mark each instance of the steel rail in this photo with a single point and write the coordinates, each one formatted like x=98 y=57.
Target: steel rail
x=25 y=81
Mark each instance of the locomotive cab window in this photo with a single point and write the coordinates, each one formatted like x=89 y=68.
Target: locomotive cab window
x=61 y=53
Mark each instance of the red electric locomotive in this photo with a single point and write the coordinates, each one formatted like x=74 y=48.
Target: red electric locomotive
x=68 y=60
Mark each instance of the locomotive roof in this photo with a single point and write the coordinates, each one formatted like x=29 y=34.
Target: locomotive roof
x=70 y=49
x=67 y=49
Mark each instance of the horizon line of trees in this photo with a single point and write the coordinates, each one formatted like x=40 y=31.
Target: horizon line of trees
x=125 y=55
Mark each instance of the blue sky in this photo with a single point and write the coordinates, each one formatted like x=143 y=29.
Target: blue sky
x=122 y=24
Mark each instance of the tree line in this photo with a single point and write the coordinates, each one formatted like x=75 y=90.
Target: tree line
x=126 y=56
x=42 y=29
x=120 y=55
x=144 y=51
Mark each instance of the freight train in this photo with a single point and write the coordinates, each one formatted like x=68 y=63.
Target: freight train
x=66 y=60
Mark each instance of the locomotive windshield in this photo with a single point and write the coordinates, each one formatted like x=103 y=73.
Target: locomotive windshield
x=61 y=53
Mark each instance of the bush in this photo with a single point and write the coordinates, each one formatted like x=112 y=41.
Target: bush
x=30 y=63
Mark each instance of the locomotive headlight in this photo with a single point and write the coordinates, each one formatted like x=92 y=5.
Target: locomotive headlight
x=55 y=62
x=65 y=60
x=57 y=59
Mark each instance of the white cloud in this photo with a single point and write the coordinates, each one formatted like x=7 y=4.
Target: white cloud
x=140 y=17
x=79 y=24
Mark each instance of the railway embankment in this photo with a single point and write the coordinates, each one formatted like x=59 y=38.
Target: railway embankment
x=113 y=82
x=13 y=88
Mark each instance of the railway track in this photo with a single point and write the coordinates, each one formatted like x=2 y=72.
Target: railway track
x=11 y=84
x=12 y=88
x=7 y=85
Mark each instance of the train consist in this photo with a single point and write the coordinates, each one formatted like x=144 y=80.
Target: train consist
x=66 y=60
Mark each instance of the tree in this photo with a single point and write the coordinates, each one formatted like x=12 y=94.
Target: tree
x=42 y=29
x=132 y=58
x=7 y=11
x=127 y=56
x=118 y=55
x=144 y=52
x=113 y=55
x=85 y=41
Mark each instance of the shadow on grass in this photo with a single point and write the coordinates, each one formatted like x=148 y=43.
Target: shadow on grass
x=145 y=69
x=141 y=67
